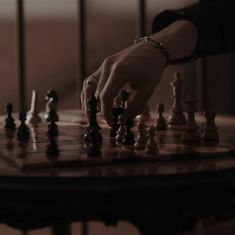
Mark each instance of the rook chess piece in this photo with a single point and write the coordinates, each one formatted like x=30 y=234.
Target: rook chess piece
x=23 y=133
x=33 y=117
x=177 y=117
x=161 y=121
x=190 y=133
x=151 y=146
x=9 y=121
x=210 y=133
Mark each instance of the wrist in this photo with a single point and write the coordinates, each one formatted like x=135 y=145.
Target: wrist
x=179 y=38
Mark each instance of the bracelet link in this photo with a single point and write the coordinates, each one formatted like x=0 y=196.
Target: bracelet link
x=159 y=45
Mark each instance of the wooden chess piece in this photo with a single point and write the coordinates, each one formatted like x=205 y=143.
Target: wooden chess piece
x=52 y=126
x=190 y=133
x=211 y=131
x=52 y=104
x=161 y=121
x=121 y=129
x=141 y=138
x=128 y=137
x=9 y=122
x=23 y=133
x=33 y=117
x=177 y=117
x=151 y=146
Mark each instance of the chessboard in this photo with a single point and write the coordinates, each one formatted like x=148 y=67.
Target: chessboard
x=73 y=151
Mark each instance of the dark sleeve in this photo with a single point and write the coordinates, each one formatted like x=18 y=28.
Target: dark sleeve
x=214 y=20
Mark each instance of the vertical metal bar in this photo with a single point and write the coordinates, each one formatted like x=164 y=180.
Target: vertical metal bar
x=82 y=39
x=21 y=54
x=141 y=19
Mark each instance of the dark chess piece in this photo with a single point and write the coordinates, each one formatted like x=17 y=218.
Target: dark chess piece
x=211 y=131
x=121 y=130
x=116 y=111
x=52 y=126
x=52 y=149
x=190 y=133
x=9 y=121
x=94 y=150
x=128 y=137
x=177 y=117
x=23 y=133
x=93 y=129
x=141 y=138
x=161 y=121
x=52 y=104
x=151 y=145
x=125 y=94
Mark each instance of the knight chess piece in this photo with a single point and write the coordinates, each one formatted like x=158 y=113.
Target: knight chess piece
x=9 y=122
x=151 y=145
x=33 y=117
x=161 y=123
x=190 y=133
x=23 y=133
x=52 y=104
x=211 y=131
x=177 y=117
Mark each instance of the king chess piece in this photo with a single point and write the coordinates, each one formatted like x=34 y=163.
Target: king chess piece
x=161 y=123
x=9 y=122
x=177 y=117
x=190 y=133
x=211 y=131
x=33 y=117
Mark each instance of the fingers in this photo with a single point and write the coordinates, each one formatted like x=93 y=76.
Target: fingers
x=138 y=103
x=110 y=90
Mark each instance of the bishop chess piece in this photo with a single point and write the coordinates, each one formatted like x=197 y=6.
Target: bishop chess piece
x=151 y=146
x=33 y=117
x=9 y=122
x=128 y=137
x=210 y=133
x=190 y=133
x=52 y=104
x=121 y=129
x=23 y=133
x=177 y=117
x=52 y=126
x=141 y=138
x=93 y=129
x=161 y=123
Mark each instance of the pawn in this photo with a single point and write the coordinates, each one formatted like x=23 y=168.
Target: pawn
x=151 y=146
x=121 y=130
x=9 y=121
x=141 y=138
x=93 y=136
x=52 y=127
x=94 y=150
x=128 y=137
x=23 y=131
x=210 y=134
x=161 y=121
